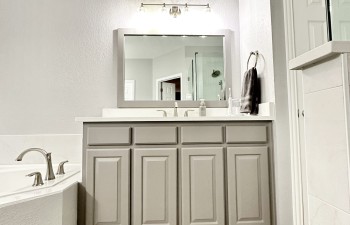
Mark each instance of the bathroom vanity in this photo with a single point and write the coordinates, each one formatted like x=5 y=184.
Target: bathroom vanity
x=178 y=171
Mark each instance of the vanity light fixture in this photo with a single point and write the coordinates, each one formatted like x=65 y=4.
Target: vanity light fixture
x=175 y=9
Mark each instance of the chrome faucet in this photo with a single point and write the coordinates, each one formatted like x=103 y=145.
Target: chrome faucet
x=164 y=112
x=49 y=171
x=175 y=110
x=186 y=112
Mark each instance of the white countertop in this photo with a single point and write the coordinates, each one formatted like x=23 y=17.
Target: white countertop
x=174 y=119
x=320 y=53
x=266 y=112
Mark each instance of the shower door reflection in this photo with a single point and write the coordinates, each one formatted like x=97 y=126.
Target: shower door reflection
x=207 y=75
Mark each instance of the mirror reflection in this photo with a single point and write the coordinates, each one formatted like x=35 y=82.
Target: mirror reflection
x=168 y=68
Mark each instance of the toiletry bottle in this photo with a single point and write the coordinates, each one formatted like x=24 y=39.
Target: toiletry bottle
x=229 y=103
x=202 y=108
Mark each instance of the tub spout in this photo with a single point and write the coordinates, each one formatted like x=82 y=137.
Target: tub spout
x=49 y=171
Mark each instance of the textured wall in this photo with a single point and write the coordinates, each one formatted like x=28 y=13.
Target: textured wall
x=56 y=59
x=256 y=34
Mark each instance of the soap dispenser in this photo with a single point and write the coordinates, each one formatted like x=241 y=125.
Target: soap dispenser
x=202 y=108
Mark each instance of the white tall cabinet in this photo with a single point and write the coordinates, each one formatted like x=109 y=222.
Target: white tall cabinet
x=171 y=173
x=325 y=120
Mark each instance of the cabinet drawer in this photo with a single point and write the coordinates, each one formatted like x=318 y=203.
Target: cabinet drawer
x=155 y=135
x=246 y=134
x=201 y=134
x=108 y=136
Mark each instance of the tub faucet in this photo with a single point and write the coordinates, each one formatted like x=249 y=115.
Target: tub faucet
x=49 y=171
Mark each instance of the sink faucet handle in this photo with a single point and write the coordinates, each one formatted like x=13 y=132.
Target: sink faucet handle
x=38 y=180
x=164 y=112
x=186 y=112
x=60 y=170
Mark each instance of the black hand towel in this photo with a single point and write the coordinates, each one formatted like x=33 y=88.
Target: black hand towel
x=250 y=96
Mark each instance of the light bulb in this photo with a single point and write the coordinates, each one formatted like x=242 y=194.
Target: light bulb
x=186 y=8
x=163 y=8
x=142 y=8
x=208 y=9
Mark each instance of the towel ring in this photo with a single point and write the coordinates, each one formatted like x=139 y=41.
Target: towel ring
x=256 y=53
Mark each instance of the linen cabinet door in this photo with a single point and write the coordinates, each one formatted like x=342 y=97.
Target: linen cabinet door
x=107 y=186
x=248 y=186
x=155 y=186
x=202 y=189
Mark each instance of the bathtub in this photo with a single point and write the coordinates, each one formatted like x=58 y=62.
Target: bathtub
x=54 y=203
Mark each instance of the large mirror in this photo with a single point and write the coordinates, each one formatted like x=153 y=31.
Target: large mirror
x=156 y=69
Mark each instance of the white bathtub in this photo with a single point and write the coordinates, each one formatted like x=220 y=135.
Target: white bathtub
x=54 y=203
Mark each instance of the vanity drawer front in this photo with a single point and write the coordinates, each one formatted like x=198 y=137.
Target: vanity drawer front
x=246 y=134
x=201 y=134
x=155 y=135
x=108 y=136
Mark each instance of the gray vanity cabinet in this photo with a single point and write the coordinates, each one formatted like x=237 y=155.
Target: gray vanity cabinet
x=155 y=186
x=248 y=185
x=202 y=186
x=107 y=186
x=171 y=173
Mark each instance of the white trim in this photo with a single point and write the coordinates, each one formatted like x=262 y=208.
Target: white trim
x=346 y=90
x=171 y=77
x=296 y=168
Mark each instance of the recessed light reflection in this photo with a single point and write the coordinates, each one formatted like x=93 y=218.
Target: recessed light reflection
x=203 y=36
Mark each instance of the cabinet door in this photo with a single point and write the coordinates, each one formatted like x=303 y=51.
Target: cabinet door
x=202 y=186
x=248 y=186
x=107 y=187
x=155 y=186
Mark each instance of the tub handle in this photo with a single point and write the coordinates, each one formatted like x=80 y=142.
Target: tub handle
x=38 y=180
x=60 y=170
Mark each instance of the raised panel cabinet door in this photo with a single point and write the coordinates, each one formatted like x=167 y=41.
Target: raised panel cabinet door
x=107 y=186
x=155 y=186
x=248 y=186
x=202 y=188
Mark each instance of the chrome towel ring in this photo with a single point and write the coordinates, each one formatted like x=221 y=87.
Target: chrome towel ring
x=256 y=53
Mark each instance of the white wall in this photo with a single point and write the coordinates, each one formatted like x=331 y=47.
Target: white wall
x=281 y=126
x=56 y=63
x=256 y=34
x=265 y=32
x=170 y=64
x=140 y=70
